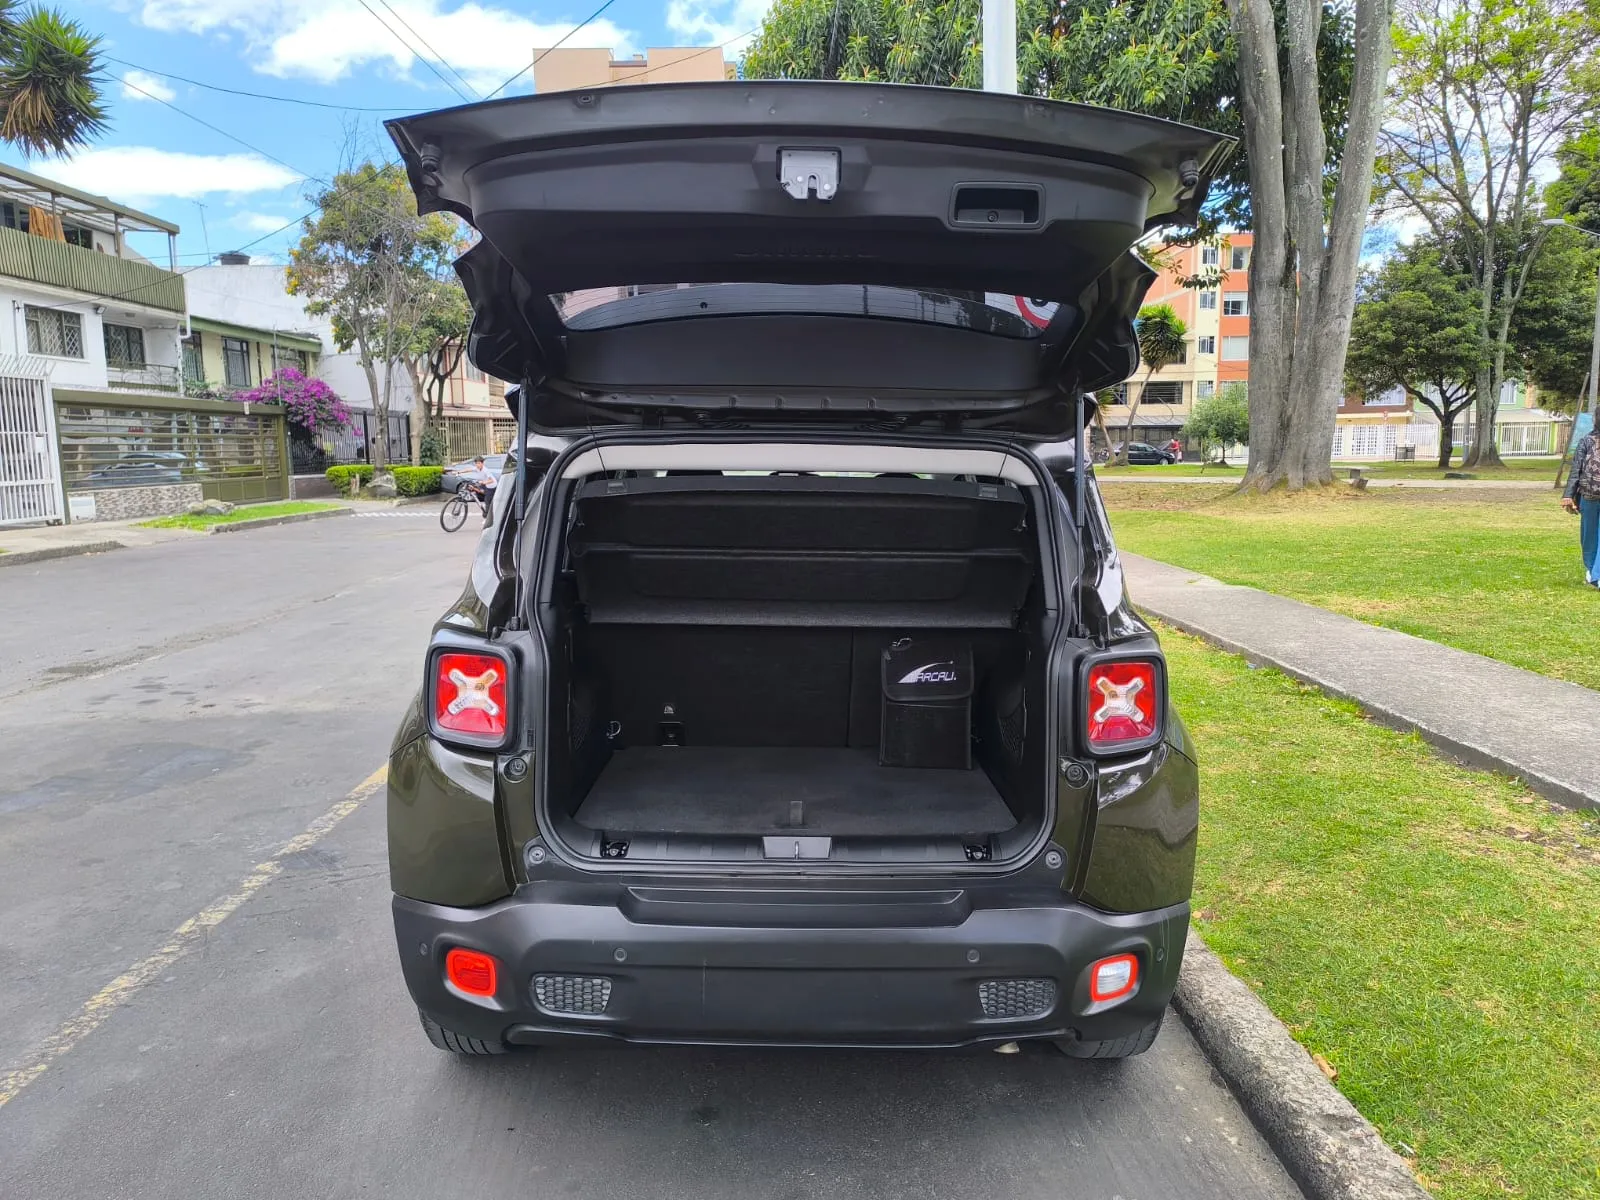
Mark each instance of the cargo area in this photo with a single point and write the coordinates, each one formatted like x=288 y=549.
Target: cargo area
x=779 y=656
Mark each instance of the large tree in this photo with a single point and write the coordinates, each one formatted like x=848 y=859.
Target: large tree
x=1219 y=421
x=50 y=82
x=1553 y=329
x=1306 y=252
x=1161 y=334
x=1484 y=94
x=1415 y=328
x=369 y=263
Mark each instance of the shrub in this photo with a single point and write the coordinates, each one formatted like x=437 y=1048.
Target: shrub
x=432 y=450
x=340 y=477
x=417 y=481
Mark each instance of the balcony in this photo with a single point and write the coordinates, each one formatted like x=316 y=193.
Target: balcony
x=41 y=260
x=150 y=377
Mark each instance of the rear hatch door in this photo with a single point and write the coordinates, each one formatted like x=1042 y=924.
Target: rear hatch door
x=790 y=251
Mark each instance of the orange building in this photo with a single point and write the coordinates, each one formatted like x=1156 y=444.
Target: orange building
x=574 y=68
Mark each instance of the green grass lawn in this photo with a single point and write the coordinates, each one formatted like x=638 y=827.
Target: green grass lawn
x=1434 y=932
x=1494 y=572
x=249 y=512
x=1530 y=470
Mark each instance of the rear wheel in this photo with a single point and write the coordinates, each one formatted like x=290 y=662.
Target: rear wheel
x=1126 y=1047
x=453 y=515
x=467 y=1047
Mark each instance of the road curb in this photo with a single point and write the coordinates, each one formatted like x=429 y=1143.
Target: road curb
x=1330 y=1149
x=290 y=519
x=18 y=558
x=1468 y=755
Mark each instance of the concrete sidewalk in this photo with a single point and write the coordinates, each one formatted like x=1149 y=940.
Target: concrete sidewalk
x=1485 y=713
x=32 y=543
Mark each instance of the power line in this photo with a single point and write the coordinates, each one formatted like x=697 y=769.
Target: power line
x=540 y=56
x=430 y=48
x=213 y=87
x=216 y=129
x=414 y=52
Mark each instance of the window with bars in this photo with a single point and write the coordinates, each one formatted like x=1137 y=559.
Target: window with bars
x=1204 y=388
x=194 y=363
x=53 y=332
x=1208 y=299
x=235 y=362
x=1236 y=304
x=124 y=345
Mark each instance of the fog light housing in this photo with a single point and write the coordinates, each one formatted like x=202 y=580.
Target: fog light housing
x=1114 y=978
x=472 y=972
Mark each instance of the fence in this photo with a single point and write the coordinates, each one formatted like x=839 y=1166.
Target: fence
x=355 y=445
x=29 y=488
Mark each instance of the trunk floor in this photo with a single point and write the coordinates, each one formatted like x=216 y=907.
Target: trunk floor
x=735 y=790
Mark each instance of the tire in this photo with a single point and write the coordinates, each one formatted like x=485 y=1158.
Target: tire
x=453 y=515
x=1126 y=1047
x=456 y=1043
x=464 y=489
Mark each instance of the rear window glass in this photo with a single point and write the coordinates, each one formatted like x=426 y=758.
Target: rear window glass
x=633 y=304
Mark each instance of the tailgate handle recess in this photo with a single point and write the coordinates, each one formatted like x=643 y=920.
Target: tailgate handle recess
x=807 y=173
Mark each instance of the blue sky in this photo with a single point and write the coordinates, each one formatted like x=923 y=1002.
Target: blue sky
x=335 y=52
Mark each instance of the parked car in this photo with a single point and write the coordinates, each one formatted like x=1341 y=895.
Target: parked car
x=457 y=475
x=1144 y=454
x=143 y=468
x=802 y=702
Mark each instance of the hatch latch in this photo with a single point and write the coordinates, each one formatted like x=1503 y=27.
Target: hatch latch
x=808 y=173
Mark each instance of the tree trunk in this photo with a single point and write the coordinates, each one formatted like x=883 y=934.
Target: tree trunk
x=1133 y=411
x=364 y=357
x=1303 y=269
x=1447 y=444
x=380 y=448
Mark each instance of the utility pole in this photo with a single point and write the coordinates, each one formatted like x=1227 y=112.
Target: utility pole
x=1000 y=46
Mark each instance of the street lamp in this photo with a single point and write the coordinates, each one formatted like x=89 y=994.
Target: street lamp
x=1594 y=346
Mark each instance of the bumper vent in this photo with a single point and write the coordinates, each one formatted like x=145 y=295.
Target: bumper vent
x=576 y=995
x=1016 y=999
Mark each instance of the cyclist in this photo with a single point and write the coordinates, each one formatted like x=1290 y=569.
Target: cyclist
x=482 y=482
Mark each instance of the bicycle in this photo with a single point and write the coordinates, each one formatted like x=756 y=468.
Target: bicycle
x=454 y=513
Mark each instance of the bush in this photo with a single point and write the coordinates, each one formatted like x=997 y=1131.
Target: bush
x=432 y=450
x=417 y=481
x=340 y=477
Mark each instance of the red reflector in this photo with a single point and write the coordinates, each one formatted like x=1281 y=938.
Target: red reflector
x=1121 y=703
x=472 y=972
x=1113 y=978
x=469 y=695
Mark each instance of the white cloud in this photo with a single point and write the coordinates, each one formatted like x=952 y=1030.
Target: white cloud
x=141 y=85
x=325 y=40
x=132 y=173
x=717 y=22
x=258 y=222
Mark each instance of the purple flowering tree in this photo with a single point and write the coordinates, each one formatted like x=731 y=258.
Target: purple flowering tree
x=309 y=403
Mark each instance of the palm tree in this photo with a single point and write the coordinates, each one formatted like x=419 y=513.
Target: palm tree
x=50 y=97
x=1161 y=333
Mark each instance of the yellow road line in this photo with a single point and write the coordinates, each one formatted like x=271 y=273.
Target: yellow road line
x=123 y=988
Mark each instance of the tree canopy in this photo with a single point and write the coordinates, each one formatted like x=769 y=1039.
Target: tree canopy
x=375 y=268
x=1415 y=328
x=1553 y=328
x=1219 y=421
x=50 y=83
x=1161 y=335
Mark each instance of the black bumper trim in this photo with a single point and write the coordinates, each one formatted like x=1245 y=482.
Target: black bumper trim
x=788 y=984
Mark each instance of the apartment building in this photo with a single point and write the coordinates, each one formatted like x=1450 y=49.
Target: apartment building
x=576 y=68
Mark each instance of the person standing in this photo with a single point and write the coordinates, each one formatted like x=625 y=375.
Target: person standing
x=1583 y=497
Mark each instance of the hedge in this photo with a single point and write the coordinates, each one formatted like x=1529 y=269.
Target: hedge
x=408 y=481
x=417 y=481
x=340 y=476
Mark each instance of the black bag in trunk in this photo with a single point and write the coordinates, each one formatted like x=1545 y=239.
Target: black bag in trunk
x=927 y=705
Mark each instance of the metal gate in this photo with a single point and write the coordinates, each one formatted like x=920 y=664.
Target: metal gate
x=30 y=487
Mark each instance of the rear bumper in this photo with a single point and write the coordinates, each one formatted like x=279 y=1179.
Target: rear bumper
x=881 y=968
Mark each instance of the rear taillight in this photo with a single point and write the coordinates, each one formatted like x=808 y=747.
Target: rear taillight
x=1123 y=705
x=469 y=697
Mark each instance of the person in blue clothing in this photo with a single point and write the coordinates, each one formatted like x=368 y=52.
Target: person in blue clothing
x=1583 y=497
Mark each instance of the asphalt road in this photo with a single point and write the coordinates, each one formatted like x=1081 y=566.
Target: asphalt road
x=188 y=1015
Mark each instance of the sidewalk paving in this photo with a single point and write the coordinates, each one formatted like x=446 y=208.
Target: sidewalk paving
x=1485 y=713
